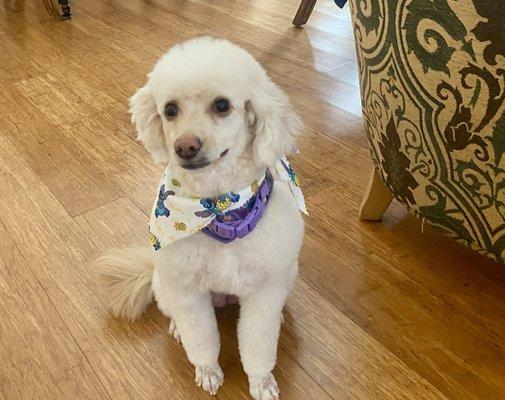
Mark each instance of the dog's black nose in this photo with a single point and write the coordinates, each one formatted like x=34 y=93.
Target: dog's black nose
x=187 y=147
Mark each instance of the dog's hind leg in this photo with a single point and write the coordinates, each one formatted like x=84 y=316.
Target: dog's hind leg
x=172 y=329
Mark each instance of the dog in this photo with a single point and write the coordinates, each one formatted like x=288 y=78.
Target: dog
x=210 y=113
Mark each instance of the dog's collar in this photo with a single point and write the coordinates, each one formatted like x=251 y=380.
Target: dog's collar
x=239 y=223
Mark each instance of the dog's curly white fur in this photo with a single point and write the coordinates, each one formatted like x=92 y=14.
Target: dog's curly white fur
x=259 y=269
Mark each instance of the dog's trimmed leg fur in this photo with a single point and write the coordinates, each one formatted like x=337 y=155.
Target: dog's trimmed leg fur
x=258 y=334
x=193 y=318
x=172 y=329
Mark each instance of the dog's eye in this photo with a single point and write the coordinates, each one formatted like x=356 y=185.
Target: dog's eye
x=221 y=105
x=171 y=110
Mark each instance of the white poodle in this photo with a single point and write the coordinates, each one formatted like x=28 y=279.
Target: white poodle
x=211 y=113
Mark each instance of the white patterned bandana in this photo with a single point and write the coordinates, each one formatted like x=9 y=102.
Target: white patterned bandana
x=175 y=215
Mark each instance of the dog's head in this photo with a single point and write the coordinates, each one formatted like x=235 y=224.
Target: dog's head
x=207 y=100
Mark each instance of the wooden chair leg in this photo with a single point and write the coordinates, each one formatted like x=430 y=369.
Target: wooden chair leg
x=304 y=11
x=377 y=198
x=51 y=8
x=65 y=7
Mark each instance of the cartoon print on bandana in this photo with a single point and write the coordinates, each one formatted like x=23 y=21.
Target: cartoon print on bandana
x=291 y=172
x=217 y=205
x=161 y=210
x=255 y=186
x=154 y=241
x=179 y=226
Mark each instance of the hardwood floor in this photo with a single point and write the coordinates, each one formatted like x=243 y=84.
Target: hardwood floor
x=380 y=311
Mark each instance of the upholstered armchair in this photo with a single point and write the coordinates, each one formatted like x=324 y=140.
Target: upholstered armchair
x=433 y=88
x=432 y=78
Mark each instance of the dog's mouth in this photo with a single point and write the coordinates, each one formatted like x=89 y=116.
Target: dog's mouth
x=196 y=165
x=202 y=163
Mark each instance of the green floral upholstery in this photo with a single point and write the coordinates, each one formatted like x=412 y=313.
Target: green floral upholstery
x=433 y=88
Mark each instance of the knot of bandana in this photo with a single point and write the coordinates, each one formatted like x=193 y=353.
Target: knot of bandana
x=224 y=218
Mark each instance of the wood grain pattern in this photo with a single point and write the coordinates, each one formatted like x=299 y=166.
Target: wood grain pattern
x=380 y=311
x=39 y=356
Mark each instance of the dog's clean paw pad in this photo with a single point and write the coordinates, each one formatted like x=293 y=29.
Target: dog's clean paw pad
x=172 y=329
x=264 y=388
x=209 y=378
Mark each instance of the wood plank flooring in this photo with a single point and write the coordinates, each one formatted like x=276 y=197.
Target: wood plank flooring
x=380 y=311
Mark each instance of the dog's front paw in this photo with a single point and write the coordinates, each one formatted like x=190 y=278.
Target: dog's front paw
x=209 y=378
x=264 y=388
x=172 y=329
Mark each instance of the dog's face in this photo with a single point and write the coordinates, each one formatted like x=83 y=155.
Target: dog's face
x=202 y=126
x=207 y=100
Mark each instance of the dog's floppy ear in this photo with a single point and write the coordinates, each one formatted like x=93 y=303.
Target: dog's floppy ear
x=148 y=122
x=274 y=123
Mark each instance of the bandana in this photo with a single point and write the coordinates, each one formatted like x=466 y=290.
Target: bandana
x=177 y=215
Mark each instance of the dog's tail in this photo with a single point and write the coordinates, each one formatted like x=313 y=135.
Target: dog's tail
x=126 y=275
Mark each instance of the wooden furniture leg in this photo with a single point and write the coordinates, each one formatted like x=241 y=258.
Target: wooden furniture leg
x=51 y=8
x=377 y=198
x=65 y=7
x=304 y=11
